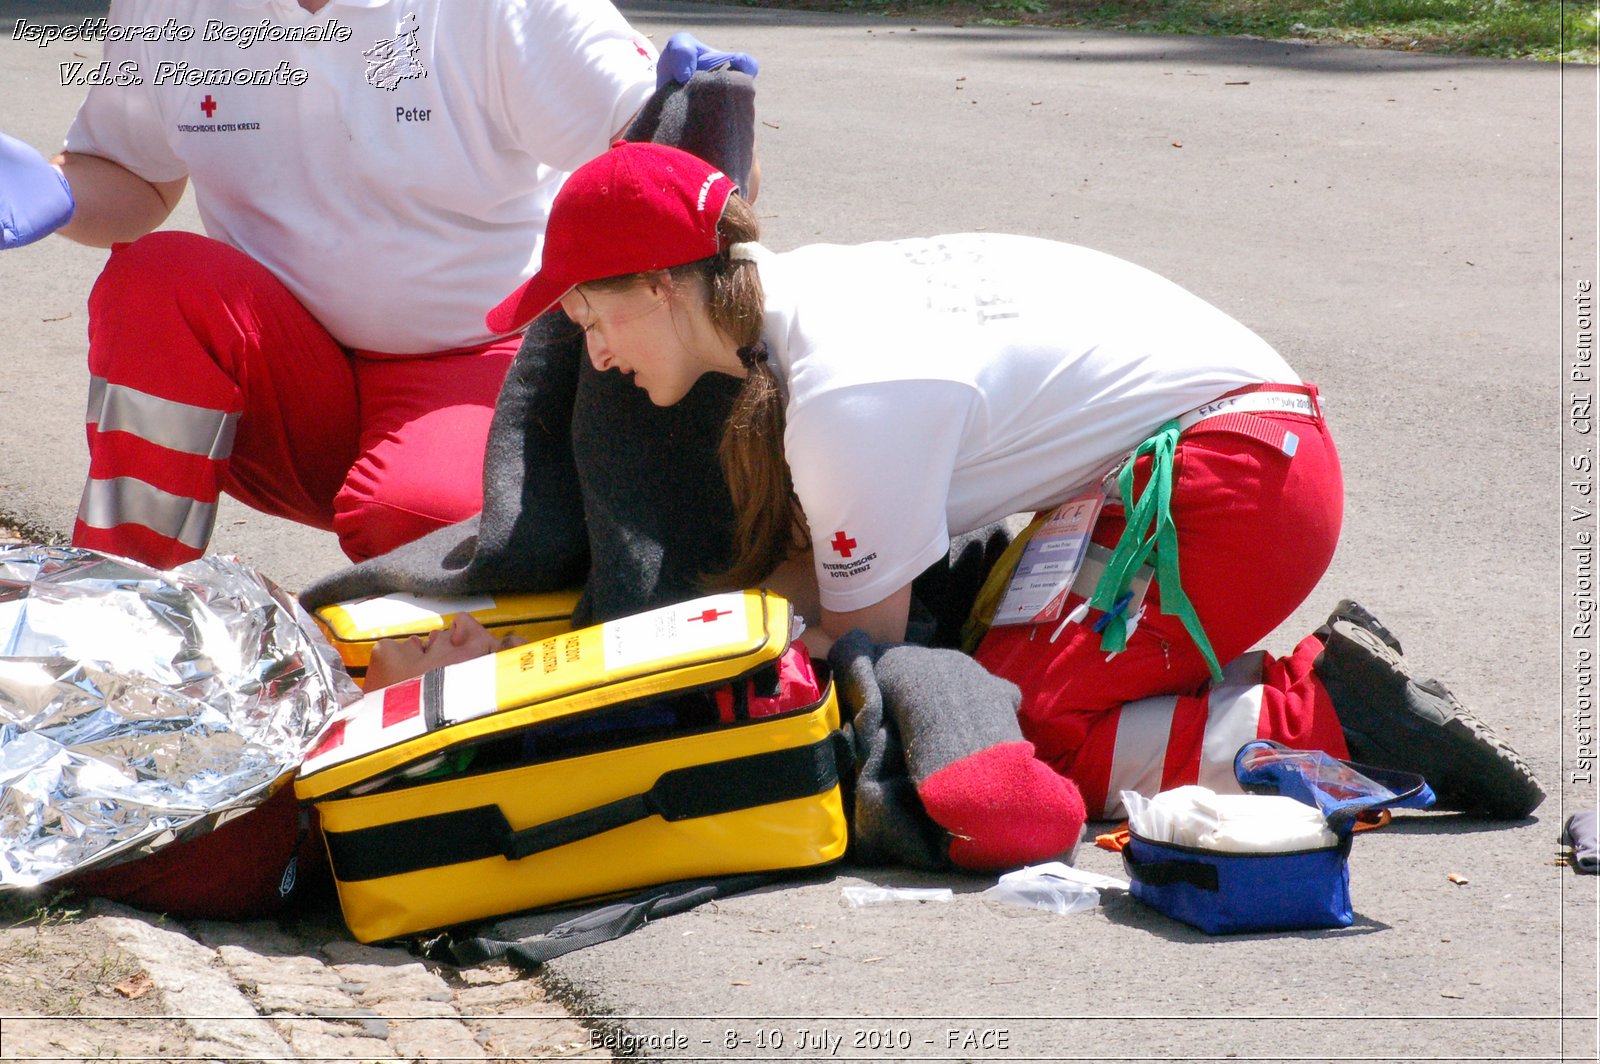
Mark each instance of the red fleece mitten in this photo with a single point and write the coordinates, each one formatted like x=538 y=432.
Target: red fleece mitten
x=1003 y=808
x=977 y=777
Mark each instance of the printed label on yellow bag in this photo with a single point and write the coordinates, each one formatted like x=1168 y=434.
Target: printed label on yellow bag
x=689 y=629
x=565 y=673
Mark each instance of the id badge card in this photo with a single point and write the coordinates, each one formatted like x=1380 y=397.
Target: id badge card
x=1050 y=562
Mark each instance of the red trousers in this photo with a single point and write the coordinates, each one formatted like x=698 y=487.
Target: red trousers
x=207 y=376
x=1256 y=530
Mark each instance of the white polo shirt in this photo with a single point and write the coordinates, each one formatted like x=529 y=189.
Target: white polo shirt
x=933 y=386
x=397 y=174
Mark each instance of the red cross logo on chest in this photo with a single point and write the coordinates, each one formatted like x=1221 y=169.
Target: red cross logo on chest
x=710 y=615
x=208 y=105
x=842 y=544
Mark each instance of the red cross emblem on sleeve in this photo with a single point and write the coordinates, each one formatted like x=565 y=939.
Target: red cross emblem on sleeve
x=842 y=544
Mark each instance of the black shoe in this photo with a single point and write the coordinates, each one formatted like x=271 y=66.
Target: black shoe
x=1393 y=721
x=1352 y=611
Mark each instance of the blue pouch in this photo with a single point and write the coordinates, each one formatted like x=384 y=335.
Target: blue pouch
x=1223 y=893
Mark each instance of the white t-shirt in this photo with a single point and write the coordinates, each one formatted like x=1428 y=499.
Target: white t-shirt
x=400 y=190
x=933 y=386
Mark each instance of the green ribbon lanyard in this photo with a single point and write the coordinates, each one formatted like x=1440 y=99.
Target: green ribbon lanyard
x=1154 y=506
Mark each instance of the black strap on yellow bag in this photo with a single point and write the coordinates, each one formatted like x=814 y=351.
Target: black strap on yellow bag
x=404 y=846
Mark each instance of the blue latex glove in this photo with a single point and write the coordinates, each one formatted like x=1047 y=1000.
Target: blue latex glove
x=683 y=55
x=34 y=198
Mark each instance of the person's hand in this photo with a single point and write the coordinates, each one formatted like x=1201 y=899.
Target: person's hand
x=684 y=55
x=35 y=200
x=394 y=660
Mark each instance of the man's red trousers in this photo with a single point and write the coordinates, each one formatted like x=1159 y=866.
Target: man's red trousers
x=208 y=376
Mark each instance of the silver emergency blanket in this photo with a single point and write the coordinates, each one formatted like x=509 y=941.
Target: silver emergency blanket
x=140 y=706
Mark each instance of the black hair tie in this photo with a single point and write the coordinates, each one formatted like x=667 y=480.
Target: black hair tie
x=752 y=355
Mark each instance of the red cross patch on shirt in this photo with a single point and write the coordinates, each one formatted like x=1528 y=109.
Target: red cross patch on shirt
x=842 y=544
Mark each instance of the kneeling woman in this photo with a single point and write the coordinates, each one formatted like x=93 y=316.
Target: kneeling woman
x=899 y=393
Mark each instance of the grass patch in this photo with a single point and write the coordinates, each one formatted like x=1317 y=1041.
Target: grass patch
x=33 y=907
x=1505 y=29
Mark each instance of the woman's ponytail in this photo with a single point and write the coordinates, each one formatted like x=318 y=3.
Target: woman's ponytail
x=768 y=524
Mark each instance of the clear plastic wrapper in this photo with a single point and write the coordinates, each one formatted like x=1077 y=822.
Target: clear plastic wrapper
x=1310 y=776
x=1054 y=887
x=859 y=897
x=140 y=706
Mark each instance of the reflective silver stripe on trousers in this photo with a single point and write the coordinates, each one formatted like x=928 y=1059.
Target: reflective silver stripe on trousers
x=126 y=501
x=1140 y=753
x=1144 y=729
x=173 y=425
x=1233 y=716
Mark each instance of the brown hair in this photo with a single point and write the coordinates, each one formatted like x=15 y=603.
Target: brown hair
x=768 y=525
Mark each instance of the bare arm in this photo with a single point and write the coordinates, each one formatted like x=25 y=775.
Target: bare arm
x=114 y=203
x=394 y=660
x=884 y=621
x=796 y=580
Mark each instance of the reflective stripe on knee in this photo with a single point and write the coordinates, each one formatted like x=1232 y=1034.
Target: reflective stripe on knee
x=164 y=422
x=125 y=500
x=1232 y=713
x=1233 y=718
x=1140 y=755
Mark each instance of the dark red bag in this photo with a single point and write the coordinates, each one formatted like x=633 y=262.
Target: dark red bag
x=253 y=866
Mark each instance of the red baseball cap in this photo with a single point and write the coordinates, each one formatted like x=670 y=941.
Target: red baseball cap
x=638 y=207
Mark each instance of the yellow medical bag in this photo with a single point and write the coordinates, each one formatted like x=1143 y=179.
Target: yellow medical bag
x=353 y=627
x=585 y=764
